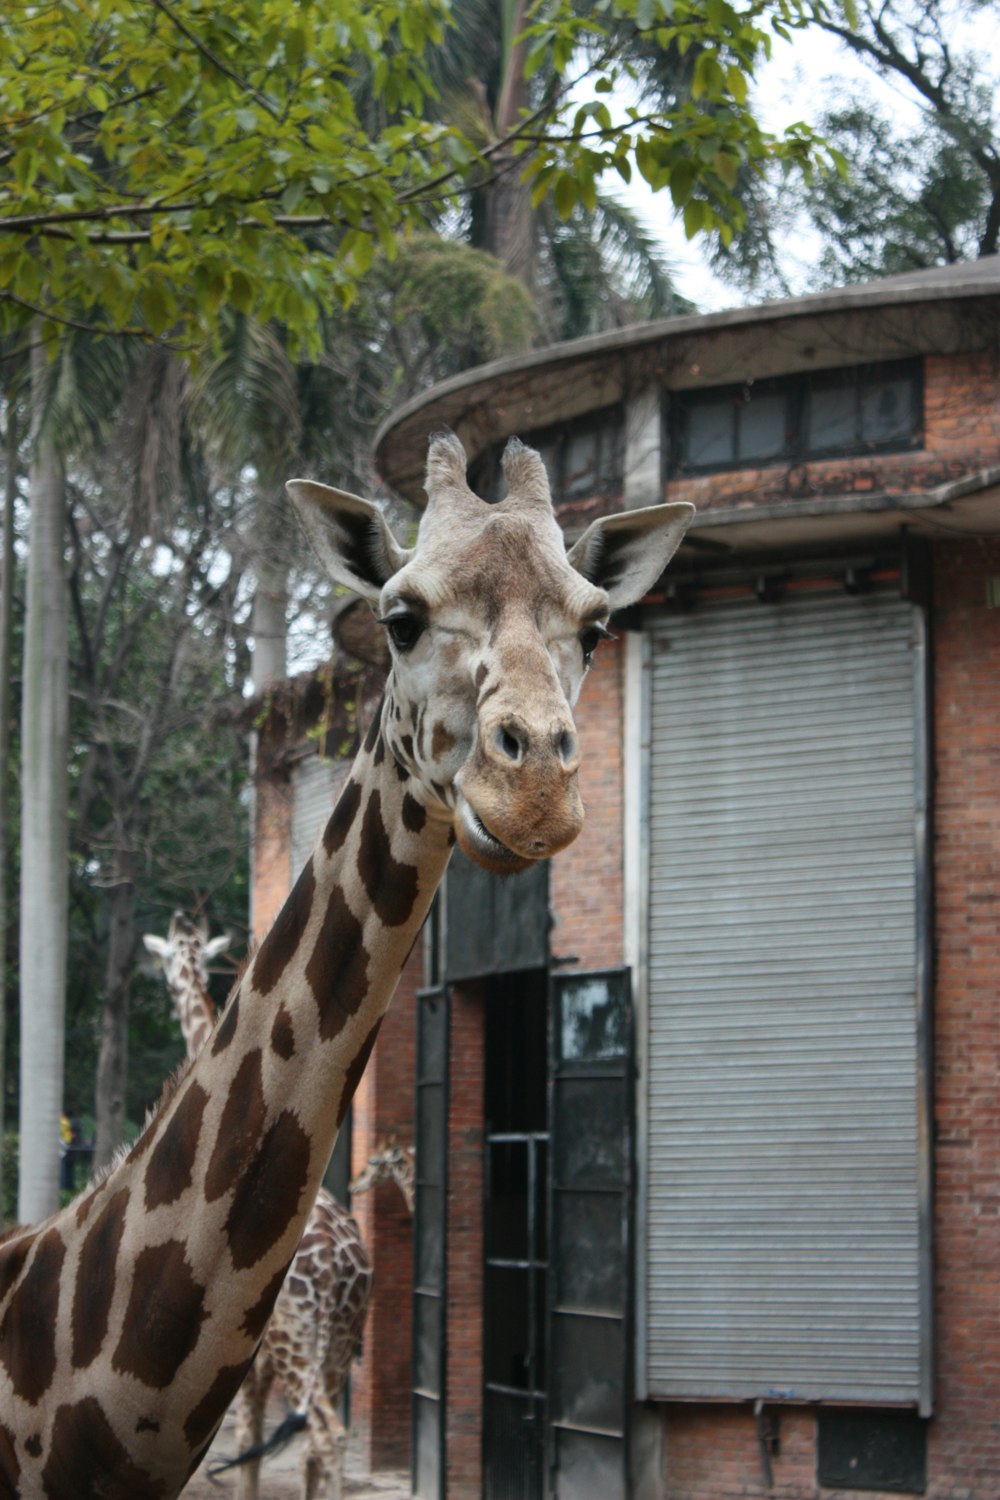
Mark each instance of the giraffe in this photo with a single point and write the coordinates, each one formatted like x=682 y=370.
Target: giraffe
x=129 y=1319
x=320 y=1312
x=389 y=1162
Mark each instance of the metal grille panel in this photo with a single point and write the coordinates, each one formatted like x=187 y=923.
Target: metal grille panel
x=783 y=1246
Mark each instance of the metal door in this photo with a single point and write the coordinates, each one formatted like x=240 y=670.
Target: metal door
x=590 y=1229
x=516 y=1239
x=430 y=1245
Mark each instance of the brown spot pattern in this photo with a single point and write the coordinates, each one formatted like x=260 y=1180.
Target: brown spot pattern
x=170 y=1168
x=268 y=1193
x=337 y=970
x=379 y=755
x=95 y=1280
x=12 y=1258
x=414 y=813
x=146 y=1424
x=163 y=1318
x=391 y=886
x=27 y=1333
x=355 y=1070
x=372 y=736
x=480 y=676
x=283 y=1034
x=87 y=1462
x=406 y=745
x=342 y=818
x=226 y=1029
x=239 y=1128
x=442 y=740
x=255 y=1318
x=283 y=940
x=203 y=1420
x=10 y=1465
x=33 y=1445
x=83 y=1208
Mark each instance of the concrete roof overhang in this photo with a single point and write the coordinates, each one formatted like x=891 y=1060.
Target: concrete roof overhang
x=949 y=309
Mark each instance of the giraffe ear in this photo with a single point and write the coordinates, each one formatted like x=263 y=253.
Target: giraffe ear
x=215 y=946
x=625 y=554
x=158 y=946
x=349 y=536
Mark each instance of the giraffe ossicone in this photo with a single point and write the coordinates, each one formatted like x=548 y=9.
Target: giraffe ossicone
x=128 y=1320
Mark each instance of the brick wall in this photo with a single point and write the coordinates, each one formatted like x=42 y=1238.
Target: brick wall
x=586 y=878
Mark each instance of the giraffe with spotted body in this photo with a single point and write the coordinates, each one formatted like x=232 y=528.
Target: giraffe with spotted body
x=319 y=1316
x=129 y=1319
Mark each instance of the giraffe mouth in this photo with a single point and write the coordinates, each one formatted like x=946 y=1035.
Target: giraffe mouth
x=483 y=846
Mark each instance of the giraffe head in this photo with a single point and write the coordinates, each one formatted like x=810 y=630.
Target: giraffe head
x=185 y=953
x=492 y=625
x=389 y=1162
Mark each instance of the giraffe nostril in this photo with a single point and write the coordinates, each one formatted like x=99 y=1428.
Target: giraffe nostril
x=566 y=746
x=509 y=740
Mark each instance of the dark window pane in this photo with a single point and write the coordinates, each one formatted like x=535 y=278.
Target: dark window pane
x=831 y=420
x=428 y=1234
x=430 y=1131
x=762 y=424
x=887 y=412
x=594 y=1020
x=509 y=1327
x=427 y=1458
x=427 y=1343
x=432 y=1041
x=872 y=1450
x=590 y=1144
x=580 y=463
x=588 y=1467
x=711 y=433
x=541 y=1309
x=587 y=1385
x=589 y=1259
x=508 y=1204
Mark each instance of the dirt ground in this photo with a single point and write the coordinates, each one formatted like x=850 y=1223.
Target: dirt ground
x=281 y=1475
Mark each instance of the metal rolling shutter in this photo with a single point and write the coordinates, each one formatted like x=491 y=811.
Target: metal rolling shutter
x=784 y=1254
x=316 y=786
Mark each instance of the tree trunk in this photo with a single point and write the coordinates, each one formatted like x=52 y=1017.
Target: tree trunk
x=112 y=1065
x=269 y=623
x=6 y=648
x=510 y=219
x=44 y=820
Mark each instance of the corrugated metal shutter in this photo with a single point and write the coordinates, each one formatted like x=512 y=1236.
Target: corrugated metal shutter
x=316 y=785
x=784 y=1232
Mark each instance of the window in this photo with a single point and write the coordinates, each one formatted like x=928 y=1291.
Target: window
x=584 y=458
x=861 y=409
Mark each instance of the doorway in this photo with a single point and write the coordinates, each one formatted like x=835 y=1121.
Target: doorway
x=516 y=1238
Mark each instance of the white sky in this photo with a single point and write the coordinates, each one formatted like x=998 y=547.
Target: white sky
x=802 y=77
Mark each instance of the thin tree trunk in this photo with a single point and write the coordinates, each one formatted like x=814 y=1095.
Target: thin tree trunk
x=6 y=648
x=112 y=1065
x=269 y=623
x=44 y=820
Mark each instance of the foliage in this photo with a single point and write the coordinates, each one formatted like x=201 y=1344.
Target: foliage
x=907 y=198
x=161 y=165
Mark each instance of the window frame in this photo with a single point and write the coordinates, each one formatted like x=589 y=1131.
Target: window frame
x=797 y=391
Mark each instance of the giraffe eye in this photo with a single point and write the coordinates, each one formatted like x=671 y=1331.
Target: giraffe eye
x=589 y=638
x=404 y=629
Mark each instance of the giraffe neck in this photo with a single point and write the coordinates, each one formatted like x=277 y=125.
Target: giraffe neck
x=171 y=1266
x=195 y=1011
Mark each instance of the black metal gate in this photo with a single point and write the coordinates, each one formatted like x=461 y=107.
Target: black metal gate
x=516 y=1240
x=590 y=1230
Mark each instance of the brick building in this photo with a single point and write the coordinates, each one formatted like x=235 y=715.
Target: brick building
x=706 y=1113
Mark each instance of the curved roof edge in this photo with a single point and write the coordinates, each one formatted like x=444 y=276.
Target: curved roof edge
x=493 y=400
